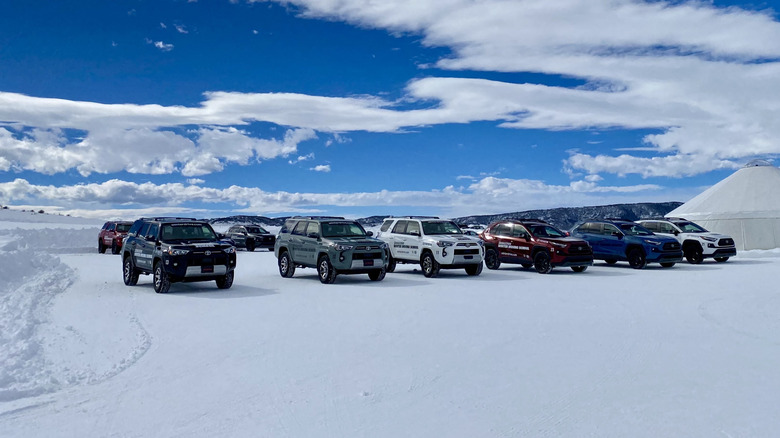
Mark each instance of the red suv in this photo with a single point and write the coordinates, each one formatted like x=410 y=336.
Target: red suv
x=112 y=235
x=534 y=242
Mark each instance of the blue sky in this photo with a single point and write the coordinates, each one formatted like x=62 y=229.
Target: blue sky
x=355 y=107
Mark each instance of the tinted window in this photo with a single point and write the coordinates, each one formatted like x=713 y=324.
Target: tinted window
x=413 y=227
x=690 y=227
x=502 y=230
x=136 y=226
x=400 y=227
x=313 y=228
x=342 y=229
x=300 y=228
x=635 y=230
x=122 y=227
x=256 y=230
x=441 y=227
x=153 y=228
x=610 y=229
x=547 y=231
x=652 y=226
x=519 y=231
x=386 y=225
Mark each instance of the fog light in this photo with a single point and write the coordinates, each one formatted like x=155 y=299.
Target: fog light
x=341 y=258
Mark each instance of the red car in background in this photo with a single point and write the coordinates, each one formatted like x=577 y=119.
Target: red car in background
x=112 y=235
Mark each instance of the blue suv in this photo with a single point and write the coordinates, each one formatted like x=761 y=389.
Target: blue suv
x=621 y=239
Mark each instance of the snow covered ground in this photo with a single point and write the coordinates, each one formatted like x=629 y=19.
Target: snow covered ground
x=691 y=351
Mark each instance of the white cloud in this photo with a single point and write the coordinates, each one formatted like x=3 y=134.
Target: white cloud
x=181 y=29
x=195 y=181
x=321 y=168
x=300 y=158
x=669 y=166
x=488 y=195
x=163 y=26
x=163 y=46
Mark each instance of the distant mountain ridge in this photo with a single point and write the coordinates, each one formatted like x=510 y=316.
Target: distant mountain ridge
x=562 y=217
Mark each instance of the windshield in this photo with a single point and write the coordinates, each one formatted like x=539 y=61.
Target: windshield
x=187 y=232
x=546 y=231
x=690 y=227
x=441 y=227
x=635 y=230
x=342 y=229
x=123 y=228
x=256 y=230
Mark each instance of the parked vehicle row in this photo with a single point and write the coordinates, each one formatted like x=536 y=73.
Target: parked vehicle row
x=186 y=249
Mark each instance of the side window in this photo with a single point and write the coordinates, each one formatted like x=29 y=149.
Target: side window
x=105 y=225
x=519 y=231
x=231 y=229
x=412 y=227
x=610 y=229
x=400 y=227
x=300 y=228
x=314 y=227
x=153 y=228
x=134 y=229
x=386 y=225
x=111 y=227
x=502 y=230
x=666 y=228
x=653 y=226
x=143 y=232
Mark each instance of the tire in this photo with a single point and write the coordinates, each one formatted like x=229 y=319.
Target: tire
x=721 y=259
x=161 y=281
x=391 y=263
x=694 y=255
x=286 y=265
x=474 y=270
x=114 y=248
x=250 y=245
x=579 y=268
x=636 y=258
x=610 y=261
x=526 y=265
x=226 y=281
x=377 y=275
x=491 y=259
x=129 y=273
x=667 y=264
x=325 y=270
x=542 y=262
x=429 y=265
x=101 y=247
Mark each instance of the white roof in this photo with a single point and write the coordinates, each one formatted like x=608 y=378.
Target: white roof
x=750 y=192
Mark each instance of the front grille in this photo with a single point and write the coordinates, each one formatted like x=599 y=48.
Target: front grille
x=199 y=258
x=671 y=246
x=580 y=249
x=726 y=242
x=467 y=244
x=467 y=251
x=366 y=247
x=366 y=255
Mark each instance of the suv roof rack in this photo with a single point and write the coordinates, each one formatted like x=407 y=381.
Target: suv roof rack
x=622 y=219
x=419 y=217
x=168 y=218
x=541 y=221
x=673 y=219
x=317 y=217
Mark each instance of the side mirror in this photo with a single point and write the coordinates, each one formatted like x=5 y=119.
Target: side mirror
x=369 y=233
x=313 y=235
x=415 y=233
x=617 y=234
x=676 y=233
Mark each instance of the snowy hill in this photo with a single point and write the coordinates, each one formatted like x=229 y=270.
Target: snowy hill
x=688 y=351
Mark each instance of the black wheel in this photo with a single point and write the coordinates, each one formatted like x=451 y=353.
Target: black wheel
x=667 y=264
x=161 y=281
x=129 y=273
x=391 y=263
x=694 y=255
x=579 y=268
x=542 y=262
x=636 y=258
x=286 y=265
x=526 y=265
x=114 y=248
x=325 y=270
x=429 y=265
x=226 y=281
x=474 y=269
x=491 y=259
x=250 y=245
x=721 y=259
x=610 y=261
x=377 y=275
x=101 y=247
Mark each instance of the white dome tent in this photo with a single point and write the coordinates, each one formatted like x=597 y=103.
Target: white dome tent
x=745 y=205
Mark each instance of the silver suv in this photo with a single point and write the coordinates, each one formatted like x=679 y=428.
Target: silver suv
x=697 y=243
x=332 y=245
x=432 y=243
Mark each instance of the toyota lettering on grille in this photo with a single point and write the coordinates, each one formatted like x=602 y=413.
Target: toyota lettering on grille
x=208 y=253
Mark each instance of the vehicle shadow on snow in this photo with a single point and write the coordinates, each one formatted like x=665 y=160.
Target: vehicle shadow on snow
x=209 y=290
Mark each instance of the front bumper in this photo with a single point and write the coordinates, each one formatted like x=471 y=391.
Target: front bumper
x=359 y=260
x=658 y=256
x=566 y=261
x=193 y=266
x=457 y=256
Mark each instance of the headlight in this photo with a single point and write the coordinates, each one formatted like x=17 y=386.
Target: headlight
x=559 y=245
x=230 y=250
x=653 y=242
x=177 y=252
x=709 y=239
x=343 y=247
x=444 y=244
x=481 y=243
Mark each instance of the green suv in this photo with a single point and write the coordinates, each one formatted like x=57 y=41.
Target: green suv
x=332 y=245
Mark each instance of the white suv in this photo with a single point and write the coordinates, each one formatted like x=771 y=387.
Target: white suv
x=697 y=243
x=432 y=243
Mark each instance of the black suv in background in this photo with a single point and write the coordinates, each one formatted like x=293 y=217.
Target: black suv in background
x=176 y=249
x=251 y=237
